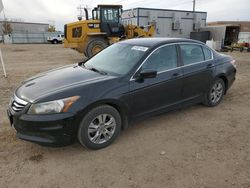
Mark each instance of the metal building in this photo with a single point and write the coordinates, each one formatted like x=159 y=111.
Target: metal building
x=244 y=26
x=29 y=38
x=25 y=32
x=169 y=23
x=25 y=27
x=227 y=31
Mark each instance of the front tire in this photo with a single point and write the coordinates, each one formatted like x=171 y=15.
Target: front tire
x=55 y=41
x=215 y=93
x=95 y=45
x=99 y=127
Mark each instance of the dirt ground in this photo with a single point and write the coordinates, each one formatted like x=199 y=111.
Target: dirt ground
x=193 y=147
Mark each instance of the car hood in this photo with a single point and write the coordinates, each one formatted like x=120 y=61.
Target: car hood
x=55 y=81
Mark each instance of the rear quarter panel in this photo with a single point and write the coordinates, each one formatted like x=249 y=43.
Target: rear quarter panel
x=225 y=69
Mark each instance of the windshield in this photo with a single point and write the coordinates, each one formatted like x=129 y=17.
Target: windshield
x=110 y=14
x=117 y=59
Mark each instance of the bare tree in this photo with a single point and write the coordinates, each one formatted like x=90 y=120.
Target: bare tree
x=7 y=29
x=52 y=28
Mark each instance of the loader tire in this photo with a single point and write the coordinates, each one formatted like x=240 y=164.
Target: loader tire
x=95 y=45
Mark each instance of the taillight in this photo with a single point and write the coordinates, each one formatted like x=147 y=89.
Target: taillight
x=233 y=62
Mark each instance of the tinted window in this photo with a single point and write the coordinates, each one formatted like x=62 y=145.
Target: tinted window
x=77 y=32
x=164 y=58
x=191 y=53
x=207 y=53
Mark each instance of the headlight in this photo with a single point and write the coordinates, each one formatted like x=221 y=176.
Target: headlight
x=52 y=107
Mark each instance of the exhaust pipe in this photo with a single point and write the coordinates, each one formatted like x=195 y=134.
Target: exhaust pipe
x=86 y=14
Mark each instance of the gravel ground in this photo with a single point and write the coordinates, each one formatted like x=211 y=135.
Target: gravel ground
x=193 y=147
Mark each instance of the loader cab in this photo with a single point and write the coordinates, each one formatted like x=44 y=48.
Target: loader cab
x=110 y=19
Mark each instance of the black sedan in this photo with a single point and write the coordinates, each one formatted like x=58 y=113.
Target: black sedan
x=96 y=99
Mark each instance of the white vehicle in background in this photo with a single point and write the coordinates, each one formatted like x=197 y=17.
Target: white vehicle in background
x=56 y=39
x=243 y=42
x=244 y=38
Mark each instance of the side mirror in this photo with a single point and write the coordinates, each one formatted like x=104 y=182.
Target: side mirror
x=147 y=74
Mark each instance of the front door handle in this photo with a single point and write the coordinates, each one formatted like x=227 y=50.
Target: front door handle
x=176 y=75
x=210 y=65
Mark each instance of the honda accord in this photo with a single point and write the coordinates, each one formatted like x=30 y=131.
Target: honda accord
x=94 y=100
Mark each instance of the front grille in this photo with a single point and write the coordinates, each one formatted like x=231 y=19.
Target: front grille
x=17 y=104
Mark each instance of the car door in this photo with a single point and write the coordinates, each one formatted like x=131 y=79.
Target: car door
x=198 y=67
x=164 y=90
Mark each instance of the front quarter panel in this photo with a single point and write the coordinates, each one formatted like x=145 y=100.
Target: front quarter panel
x=112 y=91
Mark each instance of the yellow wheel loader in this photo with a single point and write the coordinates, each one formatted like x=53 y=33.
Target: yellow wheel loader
x=105 y=28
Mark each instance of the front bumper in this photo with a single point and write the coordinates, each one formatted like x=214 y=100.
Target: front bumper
x=49 y=130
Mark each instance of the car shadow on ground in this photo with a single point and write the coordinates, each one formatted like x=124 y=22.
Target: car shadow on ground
x=139 y=127
x=129 y=138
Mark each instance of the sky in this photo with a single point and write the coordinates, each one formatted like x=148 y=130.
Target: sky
x=59 y=12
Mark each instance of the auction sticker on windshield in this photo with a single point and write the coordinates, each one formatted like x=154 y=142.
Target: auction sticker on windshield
x=140 y=48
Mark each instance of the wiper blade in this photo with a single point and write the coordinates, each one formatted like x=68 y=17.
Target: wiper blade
x=99 y=71
x=92 y=68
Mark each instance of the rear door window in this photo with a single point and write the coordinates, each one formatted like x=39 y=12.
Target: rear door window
x=207 y=53
x=191 y=53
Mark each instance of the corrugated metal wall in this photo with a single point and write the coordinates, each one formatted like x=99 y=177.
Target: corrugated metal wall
x=217 y=33
x=26 y=27
x=29 y=38
x=164 y=18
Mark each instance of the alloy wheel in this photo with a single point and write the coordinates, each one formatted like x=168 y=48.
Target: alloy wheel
x=102 y=128
x=216 y=92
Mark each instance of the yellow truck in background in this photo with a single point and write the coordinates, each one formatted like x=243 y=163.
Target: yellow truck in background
x=105 y=28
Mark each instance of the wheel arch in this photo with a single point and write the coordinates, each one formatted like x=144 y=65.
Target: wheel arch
x=90 y=39
x=93 y=36
x=225 y=80
x=119 y=106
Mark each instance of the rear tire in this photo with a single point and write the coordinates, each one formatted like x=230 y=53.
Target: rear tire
x=215 y=93
x=99 y=127
x=95 y=45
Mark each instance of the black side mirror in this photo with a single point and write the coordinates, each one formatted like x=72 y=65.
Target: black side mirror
x=147 y=74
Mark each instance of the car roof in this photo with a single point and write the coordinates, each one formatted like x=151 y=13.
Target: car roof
x=155 y=41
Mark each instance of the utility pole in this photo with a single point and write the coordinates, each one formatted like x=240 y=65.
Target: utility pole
x=193 y=5
x=1 y=56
